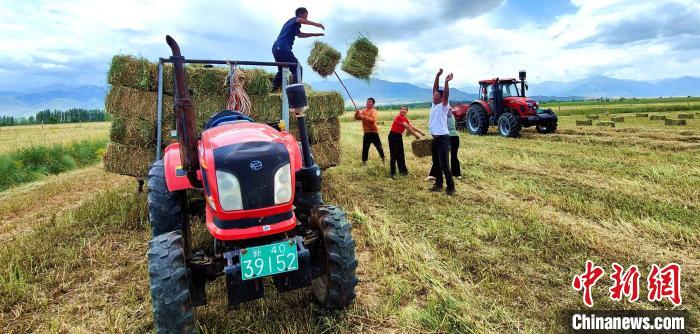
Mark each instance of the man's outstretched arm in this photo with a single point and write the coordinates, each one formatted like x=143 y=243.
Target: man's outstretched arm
x=311 y=23
x=446 y=93
x=437 y=81
x=305 y=35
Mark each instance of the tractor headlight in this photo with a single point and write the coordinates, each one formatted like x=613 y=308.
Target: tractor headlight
x=283 y=185
x=229 y=191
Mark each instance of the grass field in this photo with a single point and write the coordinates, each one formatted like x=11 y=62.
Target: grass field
x=13 y=138
x=498 y=257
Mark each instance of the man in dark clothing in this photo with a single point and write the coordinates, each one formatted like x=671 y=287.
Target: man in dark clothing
x=282 y=48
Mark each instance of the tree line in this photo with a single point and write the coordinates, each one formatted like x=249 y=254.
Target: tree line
x=47 y=116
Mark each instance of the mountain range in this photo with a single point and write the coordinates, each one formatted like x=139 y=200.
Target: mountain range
x=27 y=102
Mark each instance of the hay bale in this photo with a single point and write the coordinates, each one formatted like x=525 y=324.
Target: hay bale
x=258 y=82
x=657 y=117
x=422 y=147
x=323 y=59
x=326 y=154
x=617 y=119
x=670 y=121
x=130 y=71
x=360 y=58
x=320 y=131
x=685 y=116
x=606 y=123
x=642 y=115
x=128 y=160
x=592 y=116
x=584 y=122
x=133 y=132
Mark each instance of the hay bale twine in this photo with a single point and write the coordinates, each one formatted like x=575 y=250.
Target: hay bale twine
x=323 y=59
x=642 y=115
x=592 y=116
x=606 y=123
x=617 y=119
x=670 y=121
x=361 y=58
x=422 y=147
x=657 y=117
x=686 y=116
x=584 y=122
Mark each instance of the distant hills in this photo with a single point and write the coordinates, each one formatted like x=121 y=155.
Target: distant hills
x=26 y=103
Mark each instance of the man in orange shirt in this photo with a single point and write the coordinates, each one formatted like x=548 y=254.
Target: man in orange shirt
x=368 y=116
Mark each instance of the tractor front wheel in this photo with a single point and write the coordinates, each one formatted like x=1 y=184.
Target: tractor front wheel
x=509 y=125
x=335 y=287
x=477 y=120
x=547 y=127
x=170 y=292
x=164 y=207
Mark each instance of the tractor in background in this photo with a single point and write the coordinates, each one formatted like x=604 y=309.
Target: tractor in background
x=503 y=104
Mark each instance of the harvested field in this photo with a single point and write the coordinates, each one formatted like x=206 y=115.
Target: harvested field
x=527 y=215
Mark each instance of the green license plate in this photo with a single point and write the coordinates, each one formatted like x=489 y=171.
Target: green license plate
x=269 y=259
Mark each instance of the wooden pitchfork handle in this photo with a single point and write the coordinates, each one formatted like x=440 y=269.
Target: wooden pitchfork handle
x=346 y=89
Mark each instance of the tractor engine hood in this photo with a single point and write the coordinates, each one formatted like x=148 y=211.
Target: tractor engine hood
x=524 y=105
x=248 y=170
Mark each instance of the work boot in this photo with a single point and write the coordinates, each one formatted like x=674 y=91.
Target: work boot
x=436 y=188
x=450 y=191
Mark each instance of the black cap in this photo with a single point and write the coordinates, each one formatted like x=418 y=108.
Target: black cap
x=296 y=95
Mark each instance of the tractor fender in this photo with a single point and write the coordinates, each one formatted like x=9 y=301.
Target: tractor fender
x=175 y=175
x=483 y=104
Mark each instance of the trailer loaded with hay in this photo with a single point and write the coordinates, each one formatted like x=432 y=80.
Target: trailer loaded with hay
x=133 y=102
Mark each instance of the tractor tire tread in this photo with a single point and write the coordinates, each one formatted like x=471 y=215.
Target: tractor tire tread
x=164 y=207
x=170 y=295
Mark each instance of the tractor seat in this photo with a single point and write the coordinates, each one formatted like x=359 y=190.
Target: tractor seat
x=226 y=117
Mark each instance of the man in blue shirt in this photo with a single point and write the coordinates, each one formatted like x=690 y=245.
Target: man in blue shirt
x=282 y=48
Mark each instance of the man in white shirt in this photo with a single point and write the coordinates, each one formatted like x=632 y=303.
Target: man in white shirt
x=441 y=134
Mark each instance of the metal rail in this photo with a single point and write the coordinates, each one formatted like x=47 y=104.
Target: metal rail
x=159 y=113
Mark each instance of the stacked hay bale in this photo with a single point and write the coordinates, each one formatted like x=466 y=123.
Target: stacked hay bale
x=132 y=101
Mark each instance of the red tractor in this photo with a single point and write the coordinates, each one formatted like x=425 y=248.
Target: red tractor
x=258 y=194
x=502 y=103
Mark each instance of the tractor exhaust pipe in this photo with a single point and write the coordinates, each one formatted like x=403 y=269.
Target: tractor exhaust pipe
x=522 y=76
x=186 y=119
x=497 y=100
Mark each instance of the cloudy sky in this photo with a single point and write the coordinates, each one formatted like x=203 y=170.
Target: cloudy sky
x=71 y=42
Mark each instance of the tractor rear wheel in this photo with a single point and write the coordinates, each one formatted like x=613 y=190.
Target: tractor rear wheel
x=477 y=120
x=170 y=292
x=335 y=287
x=164 y=207
x=547 y=127
x=509 y=125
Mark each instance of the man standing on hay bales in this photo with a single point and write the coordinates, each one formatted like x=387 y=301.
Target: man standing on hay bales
x=368 y=116
x=396 y=156
x=437 y=124
x=282 y=48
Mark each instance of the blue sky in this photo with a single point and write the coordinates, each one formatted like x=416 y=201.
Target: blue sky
x=71 y=42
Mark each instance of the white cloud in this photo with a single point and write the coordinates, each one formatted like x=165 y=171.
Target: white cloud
x=73 y=41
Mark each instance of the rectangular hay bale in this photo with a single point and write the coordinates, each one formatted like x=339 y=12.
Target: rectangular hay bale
x=686 y=116
x=592 y=116
x=657 y=117
x=606 y=123
x=617 y=119
x=584 y=122
x=642 y=115
x=422 y=147
x=674 y=122
x=128 y=160
x=327 y=154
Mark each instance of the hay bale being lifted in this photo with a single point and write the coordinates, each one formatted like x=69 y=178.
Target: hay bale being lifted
x=422 y=147
x=361 y=58
x=584 y=122
x=657 y=117
x=323 y=59
x=675 y=121
x=592 y=116
x=606 y=123
x=685 y=116
x=617 y=119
